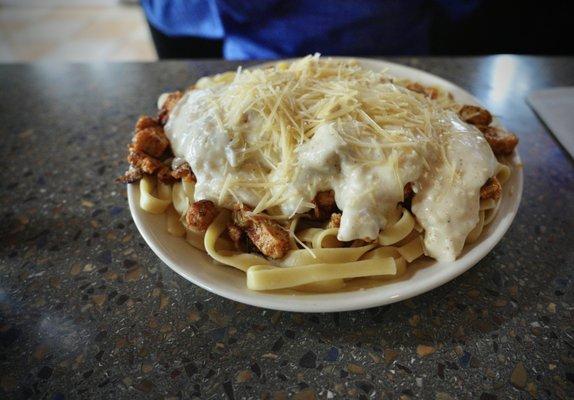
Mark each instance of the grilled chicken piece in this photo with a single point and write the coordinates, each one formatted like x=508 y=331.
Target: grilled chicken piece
x=183 y=172
x=200 y=215
x=142 y=161
x=335 y=221
x=150 y=140
x=240 y=239
x=324 y=205
x=168 y=105
x=430 y=92
x=235 y=234
x=267 y=235
x=148 y=143
x=492 y=189
x=149 y=146
x=475 y=115
x=145 y=121
x=501 y=142
x=132 y=175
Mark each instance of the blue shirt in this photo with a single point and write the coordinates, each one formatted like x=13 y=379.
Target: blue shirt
x=266 y=29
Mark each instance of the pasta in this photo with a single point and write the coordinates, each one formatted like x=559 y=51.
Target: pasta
x=323 y=248
x=155 y=203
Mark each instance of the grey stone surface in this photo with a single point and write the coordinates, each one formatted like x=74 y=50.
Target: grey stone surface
x=88 y=311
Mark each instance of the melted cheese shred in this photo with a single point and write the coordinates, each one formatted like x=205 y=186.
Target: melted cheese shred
x=272 y=138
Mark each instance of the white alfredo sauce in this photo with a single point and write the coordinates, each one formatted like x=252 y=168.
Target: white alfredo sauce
x=446 y=203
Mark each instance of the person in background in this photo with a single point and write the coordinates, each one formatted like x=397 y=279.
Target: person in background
x=268 y=29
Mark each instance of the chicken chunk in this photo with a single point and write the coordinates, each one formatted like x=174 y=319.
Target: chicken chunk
x=146 y=122
x=492 y=189
x=475 y=115
x=324 y=205
x=200 y=215
x=235 y=234
x=183 y=172
x=430 y=92
x=150 y=140
x=148 y=144
x=132 y=175
x=241 y=240
x=501 y=142
x=270 y=238
x=143 y=162
x=168 y=105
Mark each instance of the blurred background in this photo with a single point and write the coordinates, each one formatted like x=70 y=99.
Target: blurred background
x=123 y=30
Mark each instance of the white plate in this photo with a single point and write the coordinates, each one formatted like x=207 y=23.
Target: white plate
x=422 y=276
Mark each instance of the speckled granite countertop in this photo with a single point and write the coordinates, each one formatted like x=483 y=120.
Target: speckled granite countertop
x=88 y=311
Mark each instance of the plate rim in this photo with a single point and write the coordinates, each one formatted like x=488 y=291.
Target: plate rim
x=364 y=298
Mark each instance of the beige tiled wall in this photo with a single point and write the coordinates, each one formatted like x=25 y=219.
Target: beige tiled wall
x=112 y=33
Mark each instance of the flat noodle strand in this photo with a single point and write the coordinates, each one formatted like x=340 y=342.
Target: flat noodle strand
x=326 y=238
x=265 y=277
x=149 y=202
x=174 y=226
x=398 y=231
x=475 y=233
x=412 y=250
x=503 y=173
x=330 y=256
x=179 y=198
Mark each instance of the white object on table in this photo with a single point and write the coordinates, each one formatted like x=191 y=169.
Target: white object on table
x=556 y=108
x=422 y=275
